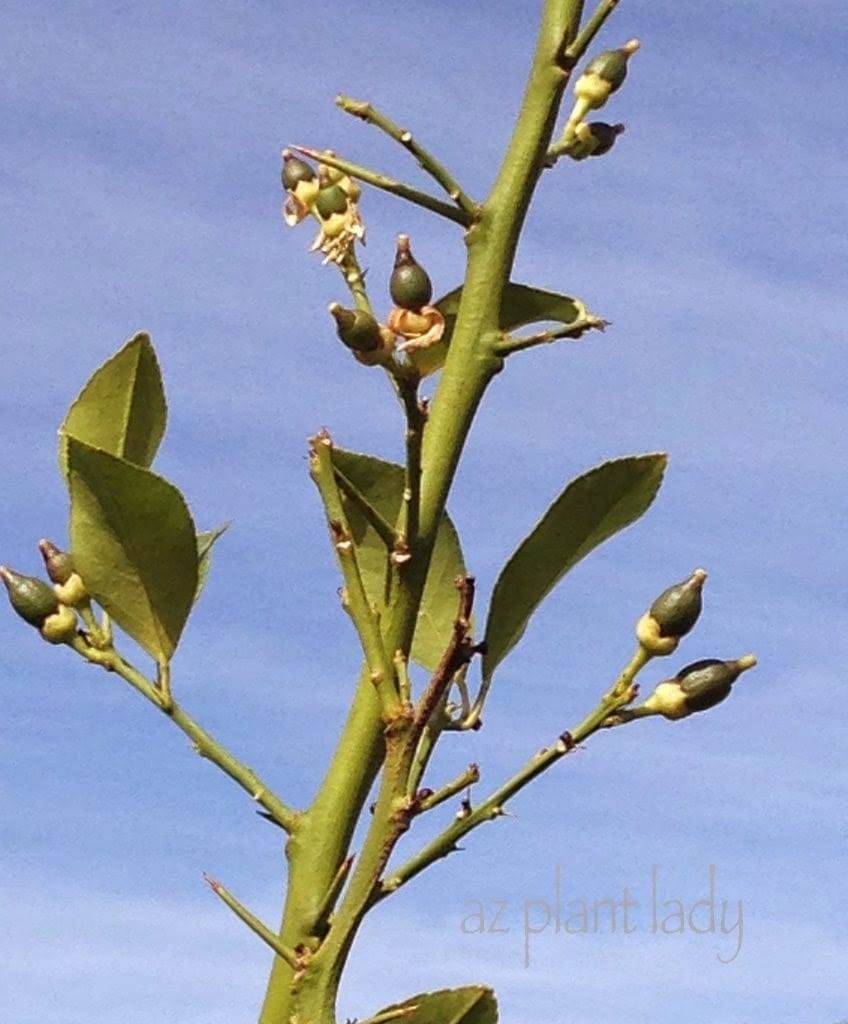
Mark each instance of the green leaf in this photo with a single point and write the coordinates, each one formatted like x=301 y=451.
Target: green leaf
x=205 y=540
x=381 y=484
x=591 y=509
x=473 y=1004
x=523 y=305
x=121 y=410
x=134 y=544
x=520 y=305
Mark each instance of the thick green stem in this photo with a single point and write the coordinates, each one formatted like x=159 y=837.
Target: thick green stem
x=320 y=843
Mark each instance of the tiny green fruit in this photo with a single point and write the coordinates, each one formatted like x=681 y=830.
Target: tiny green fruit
x=409 y=286
x=603 y=136
x=611 y=65
x=356 y=328
x=696 y=687
x=32 y=598
x=708 y=682
x=676 y=610
x=294 y=171
x=331 y=200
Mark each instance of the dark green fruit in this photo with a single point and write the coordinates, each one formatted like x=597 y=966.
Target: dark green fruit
x=356 y=328
x=676 y=610
x=294 y=171
x=32 y=598
x=332 y=199
x=604 y=136
x=409 y=286
x=59 y=564
x=708 y=682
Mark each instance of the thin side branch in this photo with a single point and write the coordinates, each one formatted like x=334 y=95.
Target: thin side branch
x=416 y=419
x=356 y=599
x=622 y=692
x=203 y=743
x=460 y=651
x=584 y=38
x=383 y=530
x=439 y=173
x=387 y=184
x=461 y=782
x=508 y=344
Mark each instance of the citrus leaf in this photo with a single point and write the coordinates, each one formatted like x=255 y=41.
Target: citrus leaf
x=473 y=1004
x=205 y=540
x=520 y=305
x=591 y=509
x=381 y=484
x=134 y=544
x=121 y=410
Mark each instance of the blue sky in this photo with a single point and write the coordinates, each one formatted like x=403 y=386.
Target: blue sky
x=139 y=190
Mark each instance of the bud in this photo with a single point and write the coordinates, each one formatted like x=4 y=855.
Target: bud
x=59 y=564
x=672 y=615
x=409 y=285
x=32 y=598
x=697 y=687
x=603 y=75
x=68 y=584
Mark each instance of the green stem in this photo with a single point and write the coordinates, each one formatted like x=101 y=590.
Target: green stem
x=463 y=781
x=355 y=281
x=575 y=50
x=356 y=599
x=384 y=531
x=204 y=744
x=507 y=344
x=392 y=814
x=424 y=749
x=426 y=160
x=416 y=418
x=163 y=684
x=387 y=184
x=99 y=635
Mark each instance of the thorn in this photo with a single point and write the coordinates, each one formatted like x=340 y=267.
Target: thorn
x=213 y=885
x=269 y=817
